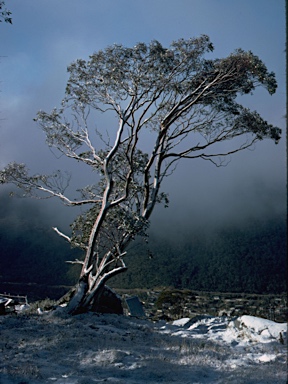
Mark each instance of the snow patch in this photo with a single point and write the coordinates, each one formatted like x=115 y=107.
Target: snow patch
x=181 y=322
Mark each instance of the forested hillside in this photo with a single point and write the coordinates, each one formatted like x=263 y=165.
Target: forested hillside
x=248 y=257
x=241 y=258
x=30 y=251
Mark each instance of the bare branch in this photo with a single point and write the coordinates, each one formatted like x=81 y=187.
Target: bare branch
x=76 y=261
x=62 y=234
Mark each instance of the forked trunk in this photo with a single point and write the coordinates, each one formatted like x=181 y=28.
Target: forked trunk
x=101 y=298
x=81 y=299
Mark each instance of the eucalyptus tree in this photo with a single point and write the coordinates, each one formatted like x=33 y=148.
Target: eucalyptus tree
x=166 y=105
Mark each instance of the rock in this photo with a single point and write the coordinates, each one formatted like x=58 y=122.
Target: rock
x=108 y=302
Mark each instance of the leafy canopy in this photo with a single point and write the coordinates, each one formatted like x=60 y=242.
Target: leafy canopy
x=188 y=103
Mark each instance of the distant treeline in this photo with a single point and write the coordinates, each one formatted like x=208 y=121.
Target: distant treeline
x=250 y=258
x=30 y=251
x=34 y=254
x=243 y=258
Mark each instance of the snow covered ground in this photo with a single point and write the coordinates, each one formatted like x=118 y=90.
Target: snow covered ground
x=91 y=348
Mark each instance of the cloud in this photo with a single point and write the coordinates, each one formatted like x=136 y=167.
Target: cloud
x=47 y=36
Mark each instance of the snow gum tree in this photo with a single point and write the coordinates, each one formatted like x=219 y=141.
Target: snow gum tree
x=168 y=104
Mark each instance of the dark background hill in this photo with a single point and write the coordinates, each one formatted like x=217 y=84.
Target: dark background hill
x=246 y=257
x=240 y=258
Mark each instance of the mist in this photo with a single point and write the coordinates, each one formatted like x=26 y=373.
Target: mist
x=47 y=36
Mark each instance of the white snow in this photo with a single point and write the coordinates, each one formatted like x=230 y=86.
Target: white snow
x=91 y=348
x=181 y=322
x=263 y=327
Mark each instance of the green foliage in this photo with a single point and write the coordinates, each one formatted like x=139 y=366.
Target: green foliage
x=117 y=223
x=5 y=14
x=137 y=76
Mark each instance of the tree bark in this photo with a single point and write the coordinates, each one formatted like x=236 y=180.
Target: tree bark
x=75 y=304
x=81 y=299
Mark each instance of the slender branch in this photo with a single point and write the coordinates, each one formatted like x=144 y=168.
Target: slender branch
x=62 y=234
x=76 y=261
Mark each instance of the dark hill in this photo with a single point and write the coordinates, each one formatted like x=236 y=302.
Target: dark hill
x=244 y=258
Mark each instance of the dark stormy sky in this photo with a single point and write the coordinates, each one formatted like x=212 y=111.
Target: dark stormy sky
x=46 y=36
